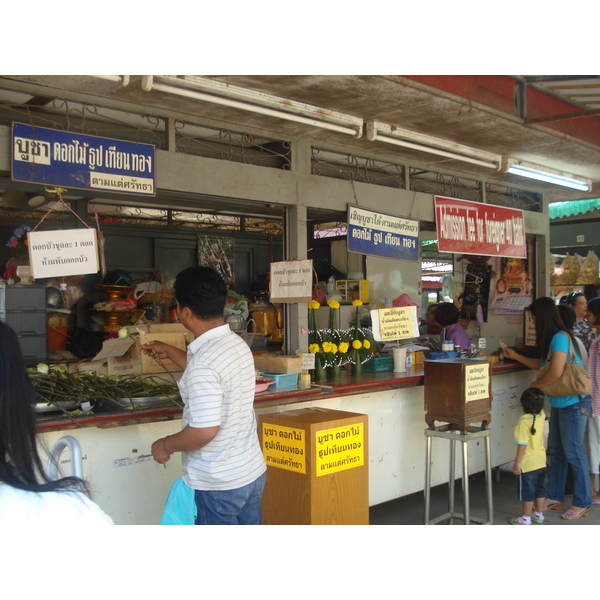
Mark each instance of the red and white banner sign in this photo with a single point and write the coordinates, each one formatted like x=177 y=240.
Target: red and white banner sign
x=465 y=227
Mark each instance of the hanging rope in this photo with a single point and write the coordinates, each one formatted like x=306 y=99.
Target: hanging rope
x=59 y=192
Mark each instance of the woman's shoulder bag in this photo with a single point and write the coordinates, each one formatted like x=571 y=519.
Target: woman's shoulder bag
x=574 y=381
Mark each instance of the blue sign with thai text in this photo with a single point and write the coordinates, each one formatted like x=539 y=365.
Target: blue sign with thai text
x=380 y=234
x=72 y=160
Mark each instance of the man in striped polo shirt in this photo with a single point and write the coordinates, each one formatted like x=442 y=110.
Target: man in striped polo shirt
x=221 y=456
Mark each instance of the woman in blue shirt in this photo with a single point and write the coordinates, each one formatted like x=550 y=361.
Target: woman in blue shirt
x=568 y=413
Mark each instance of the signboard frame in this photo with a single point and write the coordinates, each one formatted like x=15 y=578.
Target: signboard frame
x=467 y=227
x=382 y=234
x=66 y=159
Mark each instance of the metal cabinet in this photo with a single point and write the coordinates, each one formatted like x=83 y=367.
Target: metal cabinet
x=23 y=307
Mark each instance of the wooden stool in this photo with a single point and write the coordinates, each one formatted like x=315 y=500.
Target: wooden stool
x=450 y=433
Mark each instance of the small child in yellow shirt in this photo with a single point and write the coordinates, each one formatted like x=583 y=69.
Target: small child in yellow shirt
x=530 y=461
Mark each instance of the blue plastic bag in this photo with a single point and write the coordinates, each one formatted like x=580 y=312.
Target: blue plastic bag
x=180 y=506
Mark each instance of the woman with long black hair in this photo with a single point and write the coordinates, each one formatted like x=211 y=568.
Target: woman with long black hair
x=27 y=495
x=568 y=415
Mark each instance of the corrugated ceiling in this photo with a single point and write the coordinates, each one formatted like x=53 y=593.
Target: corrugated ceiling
x=571 y=208
x=584 y=92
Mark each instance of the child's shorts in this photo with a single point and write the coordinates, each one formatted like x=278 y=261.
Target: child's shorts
x=532 y=485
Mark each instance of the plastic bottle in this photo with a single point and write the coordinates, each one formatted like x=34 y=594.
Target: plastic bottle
x=447 y=346
x=331 y=286
x=304 y=380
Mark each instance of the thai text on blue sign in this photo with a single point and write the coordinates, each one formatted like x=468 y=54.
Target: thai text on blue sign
x=381 y=234
x=72 y=160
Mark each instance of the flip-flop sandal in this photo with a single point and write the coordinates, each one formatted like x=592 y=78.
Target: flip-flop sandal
x=571 y=515
x=552 y=505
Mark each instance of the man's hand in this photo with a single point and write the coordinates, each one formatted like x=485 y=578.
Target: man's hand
x=164 y=351
x=159 y=453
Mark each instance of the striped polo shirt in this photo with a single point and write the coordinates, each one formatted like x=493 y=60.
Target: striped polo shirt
x=217 y=388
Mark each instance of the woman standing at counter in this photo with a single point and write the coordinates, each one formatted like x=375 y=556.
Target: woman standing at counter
x=446 y=314
x=27 y=495
x=568 y=413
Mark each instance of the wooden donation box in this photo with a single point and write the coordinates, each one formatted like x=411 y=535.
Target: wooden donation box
x=317 y=467
x=458 y=391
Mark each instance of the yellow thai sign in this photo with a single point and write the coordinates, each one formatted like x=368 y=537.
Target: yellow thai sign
x=477 y=382
x=391 y=324
x=284 y=447
x=340 y=449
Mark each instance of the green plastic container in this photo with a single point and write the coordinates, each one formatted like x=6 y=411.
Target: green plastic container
x=379 y=364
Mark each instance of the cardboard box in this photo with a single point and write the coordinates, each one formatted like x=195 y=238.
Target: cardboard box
x=149 y=364
x=417 y=357
x=124 y=357
x=100 y=367
x=171 y=328
x=117 y=357
x=278 y=363
x=353 y=289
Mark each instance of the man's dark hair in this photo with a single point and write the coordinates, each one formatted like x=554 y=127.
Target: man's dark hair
x=202 y=290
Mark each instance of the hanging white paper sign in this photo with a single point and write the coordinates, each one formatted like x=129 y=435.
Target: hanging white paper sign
x=63 y=252
x=291 y=281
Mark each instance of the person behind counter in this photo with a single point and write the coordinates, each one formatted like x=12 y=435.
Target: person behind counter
x=221 y=455
x=27 y=495
x=446 y=314
x=433 y=327
x=568 y=415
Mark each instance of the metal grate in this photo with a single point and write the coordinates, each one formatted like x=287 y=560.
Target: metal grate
x=356 y=168
x=432 y=182
x=514 y=197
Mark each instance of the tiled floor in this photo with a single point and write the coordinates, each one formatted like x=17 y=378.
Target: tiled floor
x=410 y=510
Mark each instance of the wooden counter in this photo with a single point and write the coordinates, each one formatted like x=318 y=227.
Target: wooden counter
x=131 y=487
x=348 y=385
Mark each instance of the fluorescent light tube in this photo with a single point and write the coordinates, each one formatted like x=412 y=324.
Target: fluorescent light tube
x=353 y=127
x=382 y=132
x=436 y=151
x=524 y=169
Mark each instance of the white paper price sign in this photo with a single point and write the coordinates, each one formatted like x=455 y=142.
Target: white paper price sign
x=291 y=281
x=308 y=361
x=390 y=324
x=63 y=252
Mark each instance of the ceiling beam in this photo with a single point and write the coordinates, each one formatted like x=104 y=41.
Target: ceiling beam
x=564 y=116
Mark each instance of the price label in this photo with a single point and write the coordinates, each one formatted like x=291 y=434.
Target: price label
x=308 y=361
